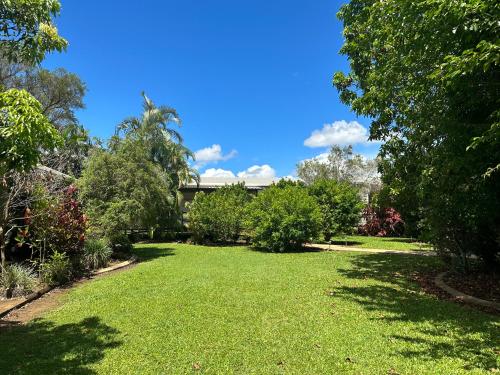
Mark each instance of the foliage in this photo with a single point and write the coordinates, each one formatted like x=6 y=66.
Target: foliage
x=120 y=243
x=24 y=131
x=163 y=144
x=124 y=190
x=56 y=270
x=285 y=182
x=427 y=73
x=17 y=280
x=382 y=222
x=283 y=219
x=96 y=253
x=27 y=31
x=57 y=223
x=340 y=206
x=219 y=216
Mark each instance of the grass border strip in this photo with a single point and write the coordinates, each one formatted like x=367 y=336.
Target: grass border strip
x=439 y=281
x=116 y=266
x=35 y=295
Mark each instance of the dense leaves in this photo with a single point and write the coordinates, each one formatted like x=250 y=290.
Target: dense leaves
x=340 y=206
x=24 y=131
x=427 y=73
x=219 y=216
x=283 y=219
x=27 y=31
x=382 y=222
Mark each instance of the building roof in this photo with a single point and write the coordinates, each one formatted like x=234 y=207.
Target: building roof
x=216 y=182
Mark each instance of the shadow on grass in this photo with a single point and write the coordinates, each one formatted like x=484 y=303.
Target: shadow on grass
x=436 y=329
x=148 y=253
x=300 y=250
x=44 y=348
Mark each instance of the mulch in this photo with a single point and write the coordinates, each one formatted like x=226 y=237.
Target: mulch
x=482 y=286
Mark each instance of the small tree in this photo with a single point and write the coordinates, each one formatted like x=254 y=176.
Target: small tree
x=283 y=219
x=219 y=216
x=340 y=206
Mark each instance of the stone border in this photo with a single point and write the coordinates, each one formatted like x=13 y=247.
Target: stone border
x=462 y=296
x=33 y=296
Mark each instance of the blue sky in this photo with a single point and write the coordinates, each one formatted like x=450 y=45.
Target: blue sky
x=251 y=79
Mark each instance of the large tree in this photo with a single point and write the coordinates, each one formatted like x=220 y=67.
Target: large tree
x=427 y=73
x=27 y=31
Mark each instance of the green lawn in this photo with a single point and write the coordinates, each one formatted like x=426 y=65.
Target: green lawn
x=385 y=243
x=188 y=309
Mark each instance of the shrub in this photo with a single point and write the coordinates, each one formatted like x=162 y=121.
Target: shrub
x=283 y=219
x=96 y=253
x=219 y=216
x=17 y=280
x=382 y=222
x=340 y=206
x=120 y=243
x=57 y=270
x=56 y=224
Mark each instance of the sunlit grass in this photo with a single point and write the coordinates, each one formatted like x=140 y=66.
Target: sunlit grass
x=384 y=243
x=232 y=310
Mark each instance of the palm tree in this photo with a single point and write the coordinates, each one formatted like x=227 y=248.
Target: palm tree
x=164 y=143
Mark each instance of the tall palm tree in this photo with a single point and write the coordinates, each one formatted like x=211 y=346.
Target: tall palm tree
x=164 y=143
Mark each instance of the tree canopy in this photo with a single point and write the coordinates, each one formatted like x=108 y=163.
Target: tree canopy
x=427 y=73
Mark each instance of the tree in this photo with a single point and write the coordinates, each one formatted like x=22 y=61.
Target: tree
x=340 y=206
x=219 y=216
x=27 y=31
x=283 y=219
x=124 y=190
x=164 y=144
x=427 y=73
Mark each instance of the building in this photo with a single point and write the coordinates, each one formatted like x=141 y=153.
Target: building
x=209 y=184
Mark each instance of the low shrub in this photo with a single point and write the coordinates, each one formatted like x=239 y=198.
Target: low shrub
x=219 y=216
x=57 y=270
x=382 y=222
x=340 y=206
x=96 y=253
x=120 y=243
x=283 y=218
x=17 y=280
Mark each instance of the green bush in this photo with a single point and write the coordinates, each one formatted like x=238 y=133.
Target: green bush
x=120 y=243
x=57 y=270
x=283 y=219
x=96 y=253
x=17 y=280
x=340 y=205
x=219 y=216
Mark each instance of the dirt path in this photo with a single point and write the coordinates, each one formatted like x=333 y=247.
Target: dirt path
x=48 y=301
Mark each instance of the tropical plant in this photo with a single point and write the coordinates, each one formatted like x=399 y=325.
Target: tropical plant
x=17 y=280
x=340 y=206
x=219 y=216
x=164 y=144
x=96 y=253
x=381 y=222
x=283 y=219
x=56 y=270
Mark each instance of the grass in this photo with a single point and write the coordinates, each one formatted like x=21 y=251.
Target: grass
x=189 y=309
x=385 y=243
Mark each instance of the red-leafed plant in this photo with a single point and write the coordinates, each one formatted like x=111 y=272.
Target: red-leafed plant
x=382 y=222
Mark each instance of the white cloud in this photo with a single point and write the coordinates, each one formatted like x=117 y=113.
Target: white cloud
x=212 y=154
x=213 y=172
x=259 y=171
x=340 y=133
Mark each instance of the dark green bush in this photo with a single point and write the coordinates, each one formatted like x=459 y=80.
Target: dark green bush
x=283 y=219
x=340 y=205
x=218 y=216
x=57 y=270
